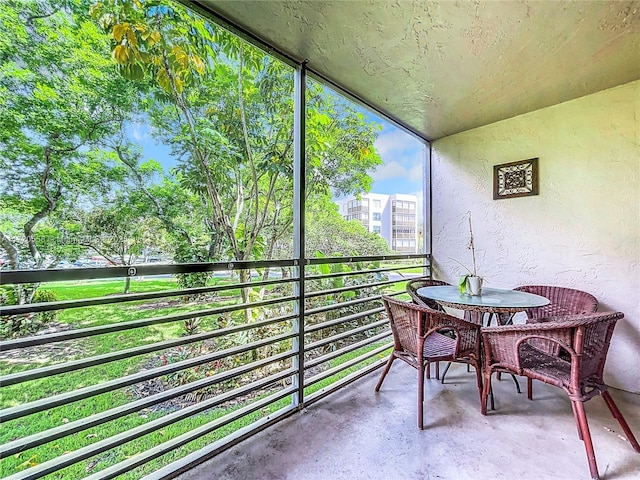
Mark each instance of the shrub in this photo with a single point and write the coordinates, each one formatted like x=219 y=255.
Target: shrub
x=26 y=323
x=41 y=296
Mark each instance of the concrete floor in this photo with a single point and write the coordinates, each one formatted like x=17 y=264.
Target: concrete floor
x=358 y=434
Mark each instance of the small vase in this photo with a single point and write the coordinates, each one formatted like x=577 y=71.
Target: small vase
x=474 y=286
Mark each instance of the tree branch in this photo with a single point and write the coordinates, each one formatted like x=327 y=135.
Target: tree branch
x=52 y=203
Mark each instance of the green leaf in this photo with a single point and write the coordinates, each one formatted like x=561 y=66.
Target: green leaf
x=462 y=283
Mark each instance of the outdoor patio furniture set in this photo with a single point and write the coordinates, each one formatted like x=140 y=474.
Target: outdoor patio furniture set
x=563 y=343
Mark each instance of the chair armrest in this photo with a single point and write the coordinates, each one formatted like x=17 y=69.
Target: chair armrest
x=501 y=344
x=559 y=322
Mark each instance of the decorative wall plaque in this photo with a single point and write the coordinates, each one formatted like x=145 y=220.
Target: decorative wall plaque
x=515 y=179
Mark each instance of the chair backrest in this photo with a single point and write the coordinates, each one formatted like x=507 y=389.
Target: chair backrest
x=406 y=323
x=592 y=342
x=585 y=337
x=410 y=322
x=413 y=285
x=564 y=301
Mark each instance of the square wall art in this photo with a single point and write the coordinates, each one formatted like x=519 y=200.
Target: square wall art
x=515 y=179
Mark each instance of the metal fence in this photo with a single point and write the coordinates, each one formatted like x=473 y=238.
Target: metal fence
x=150 y=383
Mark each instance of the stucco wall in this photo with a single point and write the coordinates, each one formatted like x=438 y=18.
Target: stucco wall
x=581 y=231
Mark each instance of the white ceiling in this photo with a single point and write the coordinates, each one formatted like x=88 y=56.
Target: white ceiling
x=442 y=67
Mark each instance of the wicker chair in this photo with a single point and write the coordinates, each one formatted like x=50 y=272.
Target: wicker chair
x=584 y=339
x=422 y=335
x=564 y=301
x=412 y=289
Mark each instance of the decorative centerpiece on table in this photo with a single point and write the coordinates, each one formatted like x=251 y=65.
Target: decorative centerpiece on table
x=470 y=283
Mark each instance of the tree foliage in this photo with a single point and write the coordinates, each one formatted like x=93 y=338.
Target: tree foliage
x=227 y=110
x=59 y=101
x=75 y=75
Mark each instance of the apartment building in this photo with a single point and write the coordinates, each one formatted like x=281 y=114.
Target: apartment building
x=394 y=217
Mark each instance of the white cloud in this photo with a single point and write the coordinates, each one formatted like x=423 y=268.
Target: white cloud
x=390 y=170
x=139 y=132
x=395 y=143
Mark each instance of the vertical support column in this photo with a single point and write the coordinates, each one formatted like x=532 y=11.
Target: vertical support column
x=426 y=208
x=299 y=189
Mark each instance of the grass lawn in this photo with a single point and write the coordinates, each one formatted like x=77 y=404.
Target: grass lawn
x=103 y=344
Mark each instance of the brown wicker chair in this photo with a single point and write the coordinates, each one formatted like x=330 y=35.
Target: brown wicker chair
x=412 y=287
x=564 y=301
x=422 y=335
x=584 y=340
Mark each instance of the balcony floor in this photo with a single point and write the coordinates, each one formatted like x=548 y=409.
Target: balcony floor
x=358 y=434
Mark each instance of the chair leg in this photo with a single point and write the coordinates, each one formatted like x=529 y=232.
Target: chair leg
x=515 y=380
x=444 y=374
x=623 y=423
x=420 y=397
x=478 y=380
x=529 y=388
x=392 y=357
x=493 y=404
x=486 y=390
x=575 y=417
x=581 y=418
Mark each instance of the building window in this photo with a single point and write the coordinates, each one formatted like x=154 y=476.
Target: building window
x=376 y=216
x=376 y=229
x=377 y=204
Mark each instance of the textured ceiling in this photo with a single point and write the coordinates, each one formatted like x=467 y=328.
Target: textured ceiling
x=442 y=67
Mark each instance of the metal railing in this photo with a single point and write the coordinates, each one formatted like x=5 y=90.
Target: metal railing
x=148 y=384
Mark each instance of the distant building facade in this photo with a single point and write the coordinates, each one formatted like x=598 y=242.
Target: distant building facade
x=394 y=217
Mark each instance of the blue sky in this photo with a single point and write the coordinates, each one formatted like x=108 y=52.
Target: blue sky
x=402 y=155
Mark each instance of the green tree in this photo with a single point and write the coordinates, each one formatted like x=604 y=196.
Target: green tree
x=59 y=101
x=121 y=231
x=227 y=110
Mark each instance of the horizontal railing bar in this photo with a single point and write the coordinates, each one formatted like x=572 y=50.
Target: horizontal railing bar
x=117 y=327
x=10 y=277
x=315 y=396
x=91 y=391
x=351 y=287
x=155 y=452
x=348 y=303
x=362 y=272
x=320 y=261
x=83 y=453
x=47 y=436
x=50 y=370
x=131 y=297
x=341 y=336
x=208 y=451
x=343 y=366
x=346 y=318
x=349 y=348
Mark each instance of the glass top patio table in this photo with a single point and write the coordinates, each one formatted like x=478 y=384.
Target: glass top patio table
x=492 y=300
